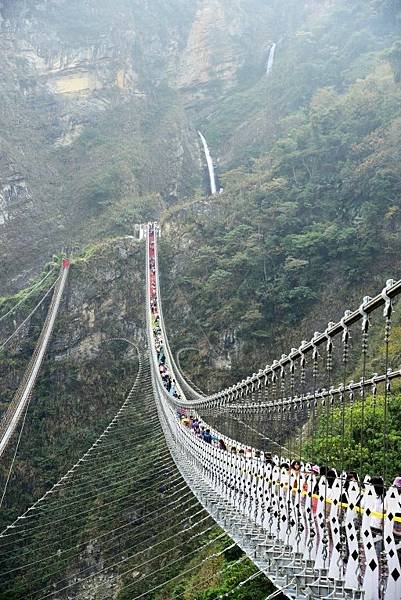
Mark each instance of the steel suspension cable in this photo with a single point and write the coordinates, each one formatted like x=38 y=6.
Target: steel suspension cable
x=97 y=538
x=153 y=512
x=158 y=587
x=208 y=543
x=125 y=559
x=57 y=521
x=78 y=463
x=241 y=584
x=75 y=486
x=78 y=498
x=24 y=533
x=280 y=590
x=10 y=337
x=280 y=446
x=117 y=450
x=32 y=290
x=123 y=551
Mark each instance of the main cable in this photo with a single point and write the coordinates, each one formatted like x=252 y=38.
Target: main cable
x=32 y=290
x=4 y=344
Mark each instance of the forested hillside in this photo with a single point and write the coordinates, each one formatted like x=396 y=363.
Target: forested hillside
x=313 y=222
x=101 y=106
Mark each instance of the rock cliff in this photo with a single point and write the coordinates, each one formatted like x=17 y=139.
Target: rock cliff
x=88 y=369
x=100 y=105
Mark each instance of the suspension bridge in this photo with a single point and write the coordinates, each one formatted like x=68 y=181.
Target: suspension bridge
x=20 y=401
x=315 y=533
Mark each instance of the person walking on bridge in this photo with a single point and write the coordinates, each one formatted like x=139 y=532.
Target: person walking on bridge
x=207 y=436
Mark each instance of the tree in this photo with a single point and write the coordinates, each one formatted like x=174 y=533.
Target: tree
x=362 y=439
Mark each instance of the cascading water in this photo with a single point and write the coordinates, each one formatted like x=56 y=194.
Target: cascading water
x=270 y=60
x=212 y=177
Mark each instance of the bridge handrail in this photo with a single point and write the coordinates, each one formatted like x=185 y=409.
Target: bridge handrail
x=228 y=395
x=310 y=529
x=191 y=394
x=323 y=394
x=15 y=409
x=293 y=520
x=172 y=401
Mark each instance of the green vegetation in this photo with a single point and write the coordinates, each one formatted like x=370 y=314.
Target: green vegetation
x=120 y=217
x=310 y=163
x=216 y=576
x=361 y=441
x=325 y=199
x=84 y=377
x=33 y=291
x=316 y=213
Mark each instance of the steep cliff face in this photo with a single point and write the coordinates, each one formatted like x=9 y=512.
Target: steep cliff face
x=210 y=53
x=100 y=105
x=88 y=370
x=13 y=190
x=88 y=118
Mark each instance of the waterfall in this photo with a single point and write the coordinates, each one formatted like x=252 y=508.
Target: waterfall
x=270 y=60
x=210 y=166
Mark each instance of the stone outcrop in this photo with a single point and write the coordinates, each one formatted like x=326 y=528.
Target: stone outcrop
x=82 y=110
x=101 y=102
x=14 y=194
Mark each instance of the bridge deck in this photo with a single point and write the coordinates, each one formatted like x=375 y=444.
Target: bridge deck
x=312 y=539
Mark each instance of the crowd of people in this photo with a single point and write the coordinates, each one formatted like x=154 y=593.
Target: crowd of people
x=168 y=380
x=292 y=469
x=296 y=473
x=200 y=430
